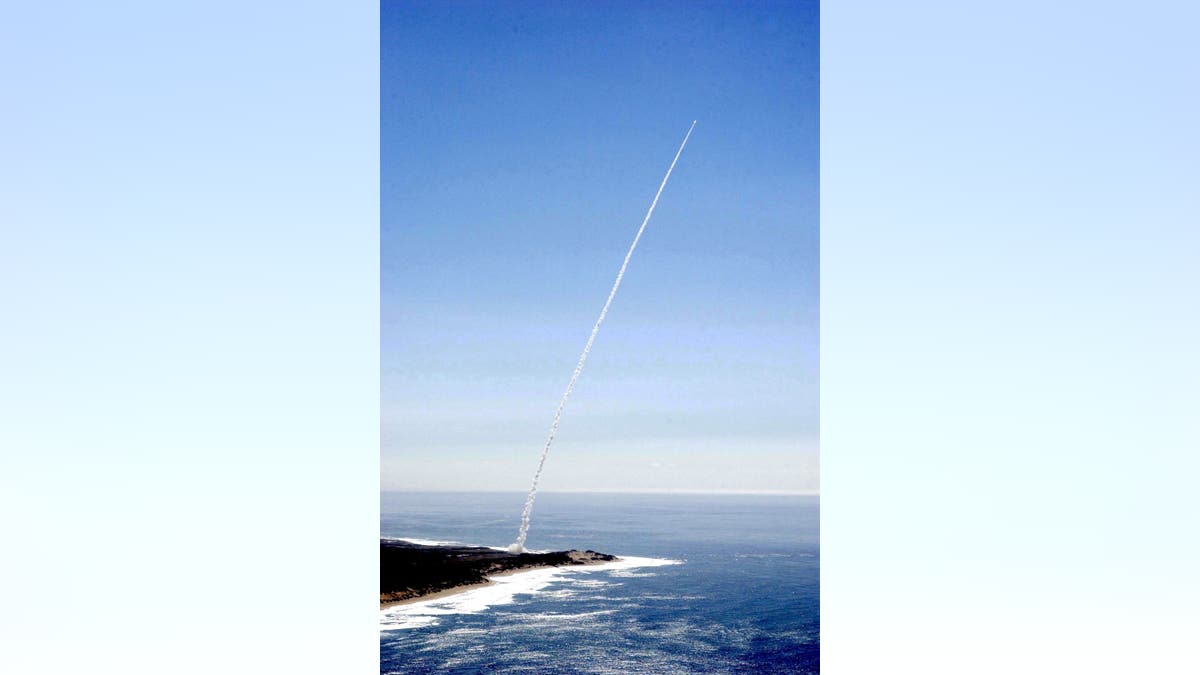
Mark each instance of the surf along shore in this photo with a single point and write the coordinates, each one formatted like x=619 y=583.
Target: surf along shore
x=411 y=572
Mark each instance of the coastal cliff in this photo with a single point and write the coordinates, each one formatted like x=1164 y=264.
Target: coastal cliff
x=410 y=571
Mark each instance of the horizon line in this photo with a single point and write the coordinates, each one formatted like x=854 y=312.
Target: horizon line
x=781 y=493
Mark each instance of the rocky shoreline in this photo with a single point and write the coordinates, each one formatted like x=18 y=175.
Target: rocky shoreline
x=409 y=572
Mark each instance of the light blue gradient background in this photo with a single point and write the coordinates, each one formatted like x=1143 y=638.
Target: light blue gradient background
x=189 y=353
x=1009 y=337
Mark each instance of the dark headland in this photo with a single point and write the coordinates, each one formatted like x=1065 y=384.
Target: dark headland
x=412 y=571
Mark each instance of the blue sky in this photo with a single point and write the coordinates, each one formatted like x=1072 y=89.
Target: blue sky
x=521 y=144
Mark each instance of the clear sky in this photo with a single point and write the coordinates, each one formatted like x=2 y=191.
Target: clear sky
x=521 y=144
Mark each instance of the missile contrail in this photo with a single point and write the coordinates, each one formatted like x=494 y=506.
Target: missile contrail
x=519 y=545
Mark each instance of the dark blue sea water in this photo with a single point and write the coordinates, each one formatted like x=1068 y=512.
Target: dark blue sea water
x=743 y=595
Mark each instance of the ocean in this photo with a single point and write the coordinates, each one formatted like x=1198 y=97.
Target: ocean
x=708 y=584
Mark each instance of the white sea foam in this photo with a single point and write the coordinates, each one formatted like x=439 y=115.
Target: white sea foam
x=435 y=542
x=502 y=591
x=423 y=542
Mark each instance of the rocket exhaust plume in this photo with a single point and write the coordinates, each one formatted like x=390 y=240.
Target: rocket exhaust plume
x=519 y=545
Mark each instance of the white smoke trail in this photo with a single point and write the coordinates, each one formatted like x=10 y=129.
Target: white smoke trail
x=519 y=545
